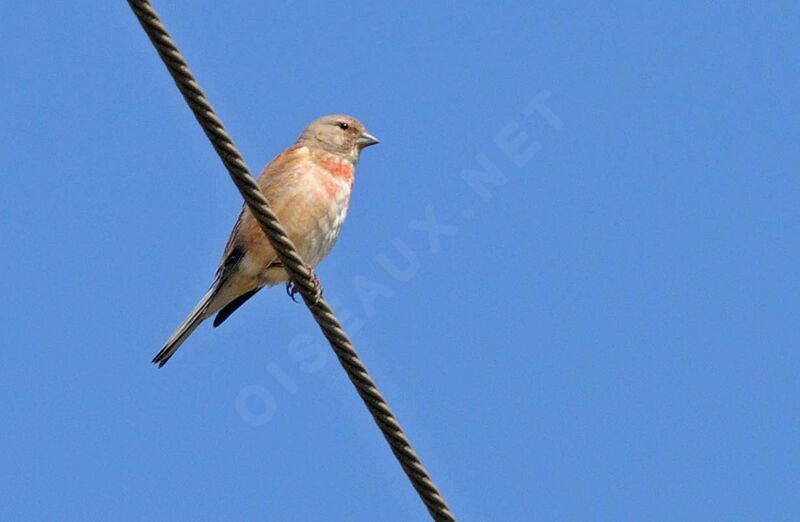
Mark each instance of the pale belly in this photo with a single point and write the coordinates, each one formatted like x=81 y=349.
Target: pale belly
x=320 y=241
x=317 y=242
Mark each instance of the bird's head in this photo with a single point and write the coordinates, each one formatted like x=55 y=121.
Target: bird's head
x=338 y=134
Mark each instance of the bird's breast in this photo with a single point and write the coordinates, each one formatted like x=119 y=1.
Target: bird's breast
x=326 y=227
x=327 y=188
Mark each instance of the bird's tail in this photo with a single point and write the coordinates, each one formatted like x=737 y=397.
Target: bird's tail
x=198 y=314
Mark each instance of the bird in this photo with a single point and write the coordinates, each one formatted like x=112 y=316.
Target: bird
x=308 y=186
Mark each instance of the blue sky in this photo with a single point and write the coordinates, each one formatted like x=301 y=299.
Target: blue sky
x=604 y=330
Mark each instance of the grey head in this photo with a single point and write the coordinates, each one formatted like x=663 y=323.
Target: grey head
x=338 y=134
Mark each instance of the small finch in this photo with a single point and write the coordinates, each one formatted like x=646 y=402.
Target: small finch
x=308 y=186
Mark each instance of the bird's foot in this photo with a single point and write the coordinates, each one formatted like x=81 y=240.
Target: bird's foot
x=317 y=287
x=292 y=290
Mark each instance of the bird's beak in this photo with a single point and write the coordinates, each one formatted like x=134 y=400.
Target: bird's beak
x=365 y=140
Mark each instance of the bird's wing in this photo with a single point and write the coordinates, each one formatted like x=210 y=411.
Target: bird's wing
x=231 y=307
x=278 y=181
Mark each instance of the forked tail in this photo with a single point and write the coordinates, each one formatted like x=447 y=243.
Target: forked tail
x=189 y=325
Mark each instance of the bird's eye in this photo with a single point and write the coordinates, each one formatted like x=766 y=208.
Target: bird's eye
x=344 y=125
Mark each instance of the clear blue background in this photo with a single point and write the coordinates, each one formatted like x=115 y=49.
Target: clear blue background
x=611 y=336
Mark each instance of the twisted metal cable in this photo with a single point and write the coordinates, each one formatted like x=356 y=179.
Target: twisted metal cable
x=297 y=269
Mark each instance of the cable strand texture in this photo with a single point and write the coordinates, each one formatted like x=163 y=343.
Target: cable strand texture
x=298 y=271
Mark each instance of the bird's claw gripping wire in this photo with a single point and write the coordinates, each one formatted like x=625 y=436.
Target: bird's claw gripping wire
x=292 y=290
